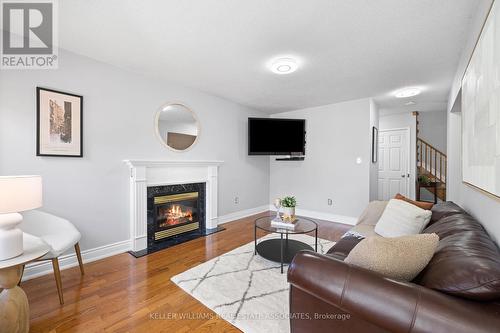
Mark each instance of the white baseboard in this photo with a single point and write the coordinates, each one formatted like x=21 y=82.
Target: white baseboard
x=242 y=213
x=37 y=269
x=40 y=268
x=350 y=220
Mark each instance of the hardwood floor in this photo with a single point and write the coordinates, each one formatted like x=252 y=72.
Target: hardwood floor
x=125 y=294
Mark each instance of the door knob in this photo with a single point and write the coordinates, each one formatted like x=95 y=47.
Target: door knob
x=403 y=176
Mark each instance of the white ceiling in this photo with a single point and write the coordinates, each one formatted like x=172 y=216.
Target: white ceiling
x=350 y=49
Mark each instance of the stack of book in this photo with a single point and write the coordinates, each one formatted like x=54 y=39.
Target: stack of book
x=278 y=223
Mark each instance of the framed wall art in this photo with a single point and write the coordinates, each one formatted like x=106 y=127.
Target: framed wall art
x=374 y=144
x=481 y=111
x=59 y=123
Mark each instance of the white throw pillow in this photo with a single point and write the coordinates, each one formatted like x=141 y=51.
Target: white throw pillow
x=401 y=218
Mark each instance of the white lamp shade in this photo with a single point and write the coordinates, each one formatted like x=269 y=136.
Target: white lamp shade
x=20 y=193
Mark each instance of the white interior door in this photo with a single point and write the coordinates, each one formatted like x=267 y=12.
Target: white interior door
x=393 y=166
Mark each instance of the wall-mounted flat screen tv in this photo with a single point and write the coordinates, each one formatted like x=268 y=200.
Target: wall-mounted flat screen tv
x=273 y=136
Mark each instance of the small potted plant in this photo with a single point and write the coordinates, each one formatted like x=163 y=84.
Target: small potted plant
x=424 y=180
x=288 y=203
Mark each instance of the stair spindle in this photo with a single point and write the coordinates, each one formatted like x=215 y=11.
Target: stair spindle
x=430 y=166
x=425 y=161
x=436 y=166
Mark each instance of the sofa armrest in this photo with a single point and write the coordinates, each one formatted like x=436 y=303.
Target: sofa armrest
x=388 y=304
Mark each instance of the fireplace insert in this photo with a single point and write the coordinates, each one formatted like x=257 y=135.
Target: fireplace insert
x=176 y=213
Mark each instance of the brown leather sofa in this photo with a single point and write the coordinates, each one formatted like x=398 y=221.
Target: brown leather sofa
x=459 y=290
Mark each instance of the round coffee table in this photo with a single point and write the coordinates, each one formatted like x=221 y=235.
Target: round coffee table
x=282 y=249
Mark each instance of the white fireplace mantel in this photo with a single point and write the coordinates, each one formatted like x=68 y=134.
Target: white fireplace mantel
x=163 y=163
x=145 y=173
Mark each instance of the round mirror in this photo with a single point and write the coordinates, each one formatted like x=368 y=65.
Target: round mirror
x=177 y=126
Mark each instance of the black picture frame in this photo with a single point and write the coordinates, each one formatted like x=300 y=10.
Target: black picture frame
x=374 y=144
x=41 y=151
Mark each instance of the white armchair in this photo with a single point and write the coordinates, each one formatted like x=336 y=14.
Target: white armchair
x=58 y=233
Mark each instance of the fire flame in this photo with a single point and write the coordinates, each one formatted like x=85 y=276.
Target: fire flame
x=176 y=215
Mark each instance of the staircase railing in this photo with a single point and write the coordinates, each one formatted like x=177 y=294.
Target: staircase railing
x=431 y=161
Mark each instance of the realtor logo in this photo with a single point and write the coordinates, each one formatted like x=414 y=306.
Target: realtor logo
x=29 y=34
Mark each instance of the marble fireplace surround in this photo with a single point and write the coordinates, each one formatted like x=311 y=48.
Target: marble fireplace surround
x=145 y=173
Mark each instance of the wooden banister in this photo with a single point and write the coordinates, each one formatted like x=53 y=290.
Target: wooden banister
x=429 y=145
x=432 y=161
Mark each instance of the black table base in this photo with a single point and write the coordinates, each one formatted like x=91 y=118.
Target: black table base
x=271 y=249
x=283 y=249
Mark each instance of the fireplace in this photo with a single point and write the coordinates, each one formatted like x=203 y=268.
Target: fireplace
x=176 y=213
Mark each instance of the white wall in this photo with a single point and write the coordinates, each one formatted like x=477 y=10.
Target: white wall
x=404 y=120
x=337 y=134
x=118 y=115
x=374 y=122
x=484 y=207
x=454 y=153
x=432 y=128
x=478 y=19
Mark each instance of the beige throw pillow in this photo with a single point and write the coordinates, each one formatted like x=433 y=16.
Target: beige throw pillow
x=401 y=218
x=372 y=213
x=401 y=258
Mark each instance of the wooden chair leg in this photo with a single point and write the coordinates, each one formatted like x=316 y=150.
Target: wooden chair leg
x=57 y=274
x=79 y=256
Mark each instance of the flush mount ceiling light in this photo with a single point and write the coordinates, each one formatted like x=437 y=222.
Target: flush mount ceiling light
x=283 y=65
x=407 y=92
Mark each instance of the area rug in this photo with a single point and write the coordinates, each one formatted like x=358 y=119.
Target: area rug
x=245 y=289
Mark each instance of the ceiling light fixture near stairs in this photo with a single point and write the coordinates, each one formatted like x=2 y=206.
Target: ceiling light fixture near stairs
x=407 y=92
x=283 y=65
